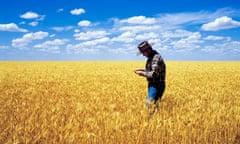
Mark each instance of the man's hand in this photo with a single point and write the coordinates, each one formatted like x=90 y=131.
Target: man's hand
x=139 y=72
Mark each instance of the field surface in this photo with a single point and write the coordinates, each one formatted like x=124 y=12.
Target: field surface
x=104 y=102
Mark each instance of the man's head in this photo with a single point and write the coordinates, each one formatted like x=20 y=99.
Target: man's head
x=145 y=48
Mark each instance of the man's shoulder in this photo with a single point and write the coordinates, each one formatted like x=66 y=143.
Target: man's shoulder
x=157 y=57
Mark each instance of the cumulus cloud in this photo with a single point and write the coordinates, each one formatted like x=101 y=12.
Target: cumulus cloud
x=41 y=18
x=140 y=28
x=84 y=23
x=211 y=37
x=32 y=15
x=90 y=35
x=59 y=29
x=52 y=46
x=139 y=20
x=60 y=10
x=11 y=27
x=178 y=33
x=191 y=42
x=150 y=35
x=126 y=37
x=76 y=30
x=96 y=41
x=22 y=23
x=89 y=47
x=77 y=11
x=180 y=20
x=28 y=38
x=52 y=35
x=220 y=24
x=212 y=49
x=223 y=48
x=56 y=42
x=29 y=15
x=170 y=32
x=33 y=24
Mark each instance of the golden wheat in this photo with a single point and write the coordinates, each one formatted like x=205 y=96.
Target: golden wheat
x=104 y=102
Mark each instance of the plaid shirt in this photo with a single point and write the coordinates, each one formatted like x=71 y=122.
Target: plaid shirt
x=155 y=68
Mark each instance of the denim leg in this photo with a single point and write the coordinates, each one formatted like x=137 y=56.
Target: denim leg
x=152 y=94
x=155 y=92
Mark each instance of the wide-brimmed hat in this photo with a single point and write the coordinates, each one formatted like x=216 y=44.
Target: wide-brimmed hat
x=143 y=46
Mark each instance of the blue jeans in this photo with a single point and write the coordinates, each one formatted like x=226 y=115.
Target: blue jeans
x=155 y=91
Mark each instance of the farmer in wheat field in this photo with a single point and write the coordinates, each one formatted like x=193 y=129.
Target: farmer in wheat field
x=154 y=72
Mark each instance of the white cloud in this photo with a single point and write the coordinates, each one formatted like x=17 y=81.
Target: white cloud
x=59 y=29
x=235 y=46
x=179 y=20
x=84 y=23
x=77 y=11
x=96 y=42
x=11 y=27
x=143 y=28
x=56 y=42
x=211 y=37
x=52 y=35
x=169 y=32
x=51 y=46
x=229 y=48
x=28 y=38
x=191 y=42
x=76 y=30
x=145 y=36
x=121 y=51
x=232 y=45
x=126 y=37
x=90 y=35
x=22 y=23
x=32 y=15
x=60 y=10
x=29 y=15
x=41 y=18
x=91 y=46
x=210 y=48
x=178 y=33
x=221 y=23
x=139 y=20
x=33 y=24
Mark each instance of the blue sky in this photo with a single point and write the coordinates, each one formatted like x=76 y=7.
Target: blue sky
x=111 y=30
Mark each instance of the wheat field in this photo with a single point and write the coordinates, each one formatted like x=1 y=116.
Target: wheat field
x=104 y=102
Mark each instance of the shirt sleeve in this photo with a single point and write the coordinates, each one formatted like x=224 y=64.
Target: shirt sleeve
x=155 y=72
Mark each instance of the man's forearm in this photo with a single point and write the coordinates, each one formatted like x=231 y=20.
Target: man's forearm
x=148 y=74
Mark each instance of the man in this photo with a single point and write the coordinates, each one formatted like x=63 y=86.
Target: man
x=154 y=72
